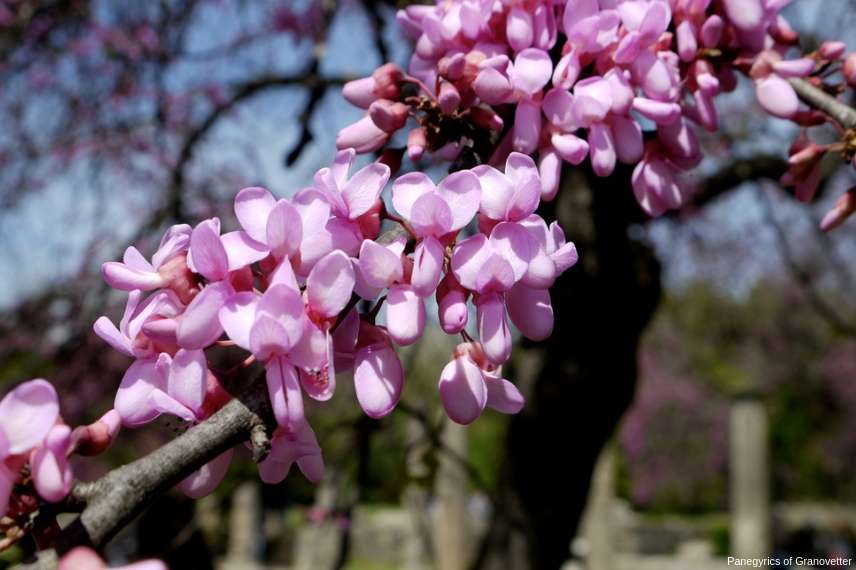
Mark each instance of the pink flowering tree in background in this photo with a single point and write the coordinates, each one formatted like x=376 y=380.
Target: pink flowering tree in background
x=577 y=115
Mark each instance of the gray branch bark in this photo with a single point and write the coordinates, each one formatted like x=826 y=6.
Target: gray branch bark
x=842 y=113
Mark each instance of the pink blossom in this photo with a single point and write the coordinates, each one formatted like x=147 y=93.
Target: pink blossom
x=84 y=558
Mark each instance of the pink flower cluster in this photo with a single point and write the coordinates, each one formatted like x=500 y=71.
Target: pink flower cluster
x=285 y=288
x=35 y=446
x=632 y=79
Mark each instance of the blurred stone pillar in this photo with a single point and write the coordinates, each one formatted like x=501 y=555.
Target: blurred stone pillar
x=245 y=530
x=749 y=478
x=414 y=500
x=319 y=545
x=452 y=533
x=598 y=528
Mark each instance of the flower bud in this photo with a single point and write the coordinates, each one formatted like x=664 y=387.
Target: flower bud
x=362 y=136
x=832 y=50
x=849 y=69
x=843 y=209
x=387 y=115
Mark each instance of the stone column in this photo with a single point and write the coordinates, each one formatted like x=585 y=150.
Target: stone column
x=598 y=528
x=749 y=479
x=452 y=533
x=245 y=530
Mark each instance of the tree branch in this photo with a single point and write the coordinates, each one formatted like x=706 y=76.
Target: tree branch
x=843 y=114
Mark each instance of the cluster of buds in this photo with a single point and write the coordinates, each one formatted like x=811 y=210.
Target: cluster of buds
x=632 y=81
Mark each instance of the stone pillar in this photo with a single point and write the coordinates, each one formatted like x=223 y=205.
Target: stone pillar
x=245 y=530
x=749 y=479
x=452 y=533
x=598 y=528
x=318 y=544
x=414 y=499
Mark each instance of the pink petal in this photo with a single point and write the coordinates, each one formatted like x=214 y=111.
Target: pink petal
x=601 y=149
x=362 y=136
x=571 y=148
x=176 y=240
x=462 y=390
x=379 y=266
x=364 y=188
x=628 y=140
x=431 y=215
x=284 y=230
x=503 y=396
x=493 y=328
x=527 y=126
x=200 y=325
x=777 y=97
x=492 y=86
x=497 y=191
x=515 y=245
x=519 y=29
x=550 y=171
x=311 y=351
x=405 y=314
x=284 y=306
x=558 y=107
x=462 y=193
x=237 y=316
x=531 y=311
x=202 y=482
x=51 y=473
x=468 y=258
x=407 y=189
x=188 y=379
x=209 y=256
x=378 y=379
x=284 y=391
x=655 y=22
x=27 y=413
x=108 y=332
x=242 y=250
x=252 y=207
x=330 y=284
x=133 y=398
x=124 y=278
x=427 y=266
x=744 y=14
x=532 y=70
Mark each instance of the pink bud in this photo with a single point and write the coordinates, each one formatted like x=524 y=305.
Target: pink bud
x=388 y=116
x=95 y=438
x=362 y=136
x=711 y=31
x=486 y=119
x=387 y=80
x=849 y=69
x=416 y=143
x=843 y=209
x=832 y=50
x=448 y=97
x=452 y=305
x=51 y=473
x=360 y=92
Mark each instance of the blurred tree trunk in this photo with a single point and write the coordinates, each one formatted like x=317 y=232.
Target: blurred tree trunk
x=581 y=380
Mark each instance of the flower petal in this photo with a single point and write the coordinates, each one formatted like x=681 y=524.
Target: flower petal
x=237 y=315
x=284 y=391
x=252 y=208
x=407 y=189
x=493 y=328
x=203 y=481
x=379 y=266
x=531 y=311
x=187 y=379
x=52 y=474
x=378 y=379
x=27 y=413
x=200 y=325
x=133 y=398
x=427 y=266
x=364 y=188
x=503 y=396
x=209 y=257
x=330 y=284
x=242 y=250
x=462 y=192
x=284 y=230
x=462 y=390
x=405 y=314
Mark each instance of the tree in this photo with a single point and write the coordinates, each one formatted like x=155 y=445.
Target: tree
x=614 y=82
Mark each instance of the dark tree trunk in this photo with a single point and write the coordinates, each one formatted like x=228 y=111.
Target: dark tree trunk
x=586 y=380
